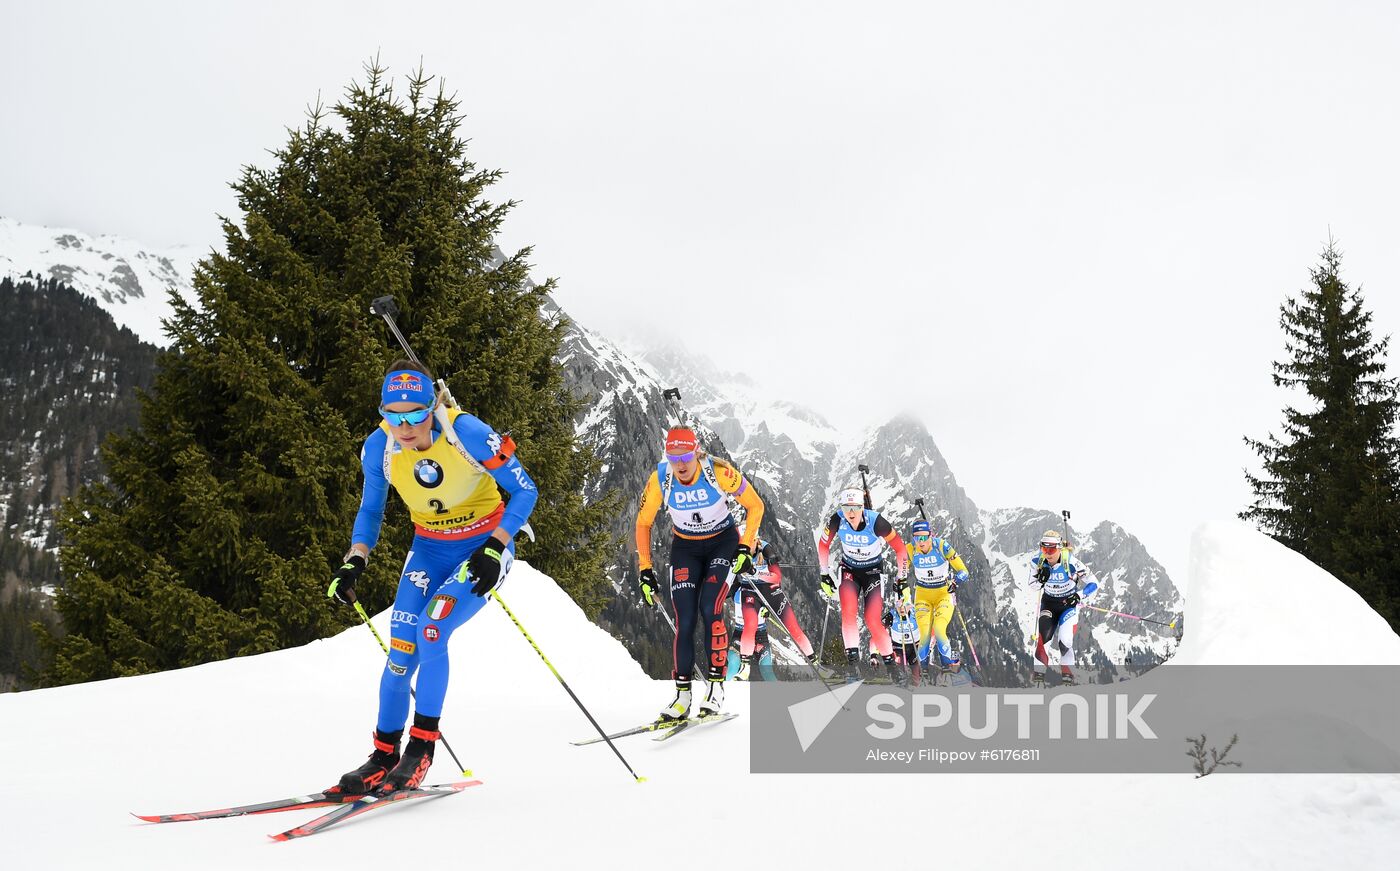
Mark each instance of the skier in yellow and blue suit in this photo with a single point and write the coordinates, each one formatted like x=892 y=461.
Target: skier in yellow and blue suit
x=936 y=570
x=463 y=547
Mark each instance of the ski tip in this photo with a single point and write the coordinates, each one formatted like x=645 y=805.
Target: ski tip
x=280 y=837
x=148 y=819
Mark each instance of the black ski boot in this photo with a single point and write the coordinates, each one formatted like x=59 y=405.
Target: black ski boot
x=417 y=756
x=368 y=776
x=853 y=673
x=897 y=674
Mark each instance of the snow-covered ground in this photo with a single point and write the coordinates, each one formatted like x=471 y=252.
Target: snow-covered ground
x=81 y=757
x=1253 y=601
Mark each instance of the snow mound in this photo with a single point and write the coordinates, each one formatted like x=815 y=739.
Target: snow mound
x=284 y=723
x=1253 y=601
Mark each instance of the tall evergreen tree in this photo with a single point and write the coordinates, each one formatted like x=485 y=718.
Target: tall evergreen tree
x=223 y=512
x=1330 y=486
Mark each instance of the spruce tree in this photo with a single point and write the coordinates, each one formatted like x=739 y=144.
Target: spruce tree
x=1330 y=485
x=224 y=512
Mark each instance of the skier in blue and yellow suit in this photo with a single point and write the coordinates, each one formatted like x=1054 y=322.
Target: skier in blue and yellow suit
x=936 y=570
x=462 y=548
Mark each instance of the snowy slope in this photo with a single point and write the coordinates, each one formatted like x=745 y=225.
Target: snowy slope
x=281 y=723
x=129 y=280
x=1256 y=602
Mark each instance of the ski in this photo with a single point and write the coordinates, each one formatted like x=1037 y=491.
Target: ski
x=653 y=726
x=694 y=722
x=368 y=803
x=317 y=799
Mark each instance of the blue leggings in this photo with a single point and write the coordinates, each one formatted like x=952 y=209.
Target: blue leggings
x=433 y=599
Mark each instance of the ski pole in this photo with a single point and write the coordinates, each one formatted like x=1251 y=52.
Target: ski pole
x=1034 y=614
x=821 y=650
x=360 y=609
x=1171 y=625
x=777 y=618
x=672 y=397
x=864 y=486
x=502 y=602
x=968 y=635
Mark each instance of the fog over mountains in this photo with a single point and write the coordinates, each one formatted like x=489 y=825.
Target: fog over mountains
x=798 y=460
x=795 y=457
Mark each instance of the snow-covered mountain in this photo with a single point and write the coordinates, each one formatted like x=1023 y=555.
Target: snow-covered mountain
x=798 y=460
x=237 y=731
x=128 y=279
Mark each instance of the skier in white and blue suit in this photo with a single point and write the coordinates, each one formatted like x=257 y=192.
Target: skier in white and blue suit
x=1059 y=577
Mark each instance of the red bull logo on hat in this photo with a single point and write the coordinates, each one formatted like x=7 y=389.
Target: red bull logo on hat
x=406 y=386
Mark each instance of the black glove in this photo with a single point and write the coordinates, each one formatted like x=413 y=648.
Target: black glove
x=743 y=561
x=485 y=566
x=647 y=581
x=343 y=581
x=1043 y=574
x=888 y=619
x=1071 y=600
x=952 y=586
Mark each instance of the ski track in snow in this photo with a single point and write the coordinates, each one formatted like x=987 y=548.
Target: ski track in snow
x=280 y=724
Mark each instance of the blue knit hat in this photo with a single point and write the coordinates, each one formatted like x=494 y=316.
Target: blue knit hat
x=405 y=385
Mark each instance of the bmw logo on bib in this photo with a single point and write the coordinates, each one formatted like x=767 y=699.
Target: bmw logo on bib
x=428 y=473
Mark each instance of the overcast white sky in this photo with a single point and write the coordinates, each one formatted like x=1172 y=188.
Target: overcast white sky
x=1059 y=232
